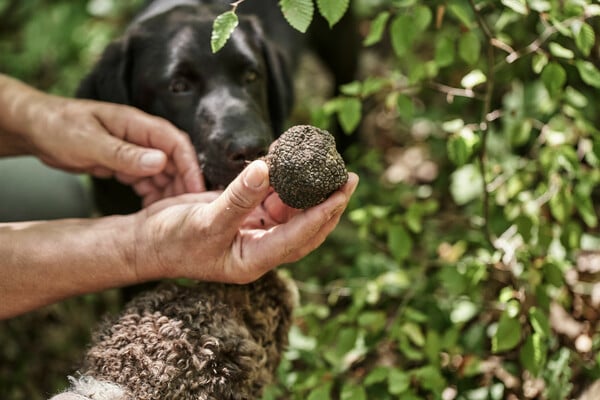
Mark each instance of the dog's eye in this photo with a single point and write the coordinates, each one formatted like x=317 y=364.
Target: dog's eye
x=179 y=86
x=250 y=76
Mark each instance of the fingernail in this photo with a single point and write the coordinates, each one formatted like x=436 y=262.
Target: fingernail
x=255 y=176
x=152 y=159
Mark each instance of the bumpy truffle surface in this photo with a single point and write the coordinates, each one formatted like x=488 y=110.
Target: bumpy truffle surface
x=305 y=167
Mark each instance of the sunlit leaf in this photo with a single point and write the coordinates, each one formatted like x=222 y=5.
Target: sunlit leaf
x=298 y=13
x=472 y=79
x=560 y=51
x=584 y=37
x=223 y=27
x=518 y=6
x=588 y=72
x=533 y=354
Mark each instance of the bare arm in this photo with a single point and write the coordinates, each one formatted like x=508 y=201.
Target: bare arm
x=235 y=236
x=99 y=138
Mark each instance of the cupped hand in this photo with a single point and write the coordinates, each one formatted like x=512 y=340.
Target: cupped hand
x=235 y=236
x=106 y=140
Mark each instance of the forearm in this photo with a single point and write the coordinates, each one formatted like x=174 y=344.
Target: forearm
x=44 y=262
x=19 y=104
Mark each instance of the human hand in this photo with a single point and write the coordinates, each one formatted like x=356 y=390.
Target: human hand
x=106 y=140
x=235 y=236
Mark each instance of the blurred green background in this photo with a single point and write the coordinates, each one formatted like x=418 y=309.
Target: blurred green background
x=467 y=264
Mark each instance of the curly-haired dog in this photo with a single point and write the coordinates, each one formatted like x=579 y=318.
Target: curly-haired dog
x=199 y=341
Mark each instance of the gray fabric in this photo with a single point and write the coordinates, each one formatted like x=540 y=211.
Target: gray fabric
x=29 y=190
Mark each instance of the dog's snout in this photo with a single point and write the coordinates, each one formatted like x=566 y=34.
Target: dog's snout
x=242 y=151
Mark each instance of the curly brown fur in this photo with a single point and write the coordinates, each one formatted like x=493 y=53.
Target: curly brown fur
x=204 y=341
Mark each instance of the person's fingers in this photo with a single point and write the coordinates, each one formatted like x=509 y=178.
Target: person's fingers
x=243 y=195
x=127 y=158
x=304 y=232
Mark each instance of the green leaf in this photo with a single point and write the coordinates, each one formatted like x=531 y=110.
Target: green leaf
x=321 y=392
x=402 y=34
x=398 y=381
x=333 y=11
x=298 y=13
x=561 y=52
x=377 y=28
x=472 y=79
x=444 y=51
x=421 y=18
x=349 y=113
x=399 y=242
x=469 y=47
x=554 y=77
x=377 y=375
x=508 y=334
x=539 y=322
x=352 y=391
x=223 y=27
x=585 y=206
x=518 y=6
x=466 y=184
x=538 y=62
x=462 y=146
x=561 y=204
x=588 y=72
x=584 y=37
x=463 y=12
x=406 y=107
x=533 y=354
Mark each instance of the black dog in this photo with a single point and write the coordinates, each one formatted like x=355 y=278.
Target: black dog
x=232 y=103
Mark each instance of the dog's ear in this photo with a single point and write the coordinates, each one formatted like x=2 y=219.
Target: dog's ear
x=280 y=86
x=109 y=80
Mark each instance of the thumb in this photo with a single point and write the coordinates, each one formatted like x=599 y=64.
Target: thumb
x=128 y=158
x=243 y=195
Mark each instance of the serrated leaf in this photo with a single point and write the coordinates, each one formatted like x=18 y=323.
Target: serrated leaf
x=508 y=334
x=584 y=37
x=377 y=28
x=223 y=27
x=333 y=11
x=298 y=13
x=588 y=72
x=469 y=47
x=585 y=206
x=349 y=113
x=399 y=242
x=462 y=146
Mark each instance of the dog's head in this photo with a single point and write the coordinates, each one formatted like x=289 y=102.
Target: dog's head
x=232 y=103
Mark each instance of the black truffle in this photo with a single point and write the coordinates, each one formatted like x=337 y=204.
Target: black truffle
x=305 y=167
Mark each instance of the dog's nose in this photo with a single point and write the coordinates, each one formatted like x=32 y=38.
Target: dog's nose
x=242 y=151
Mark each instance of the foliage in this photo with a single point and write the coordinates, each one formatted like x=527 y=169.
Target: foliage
x=468 y=261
